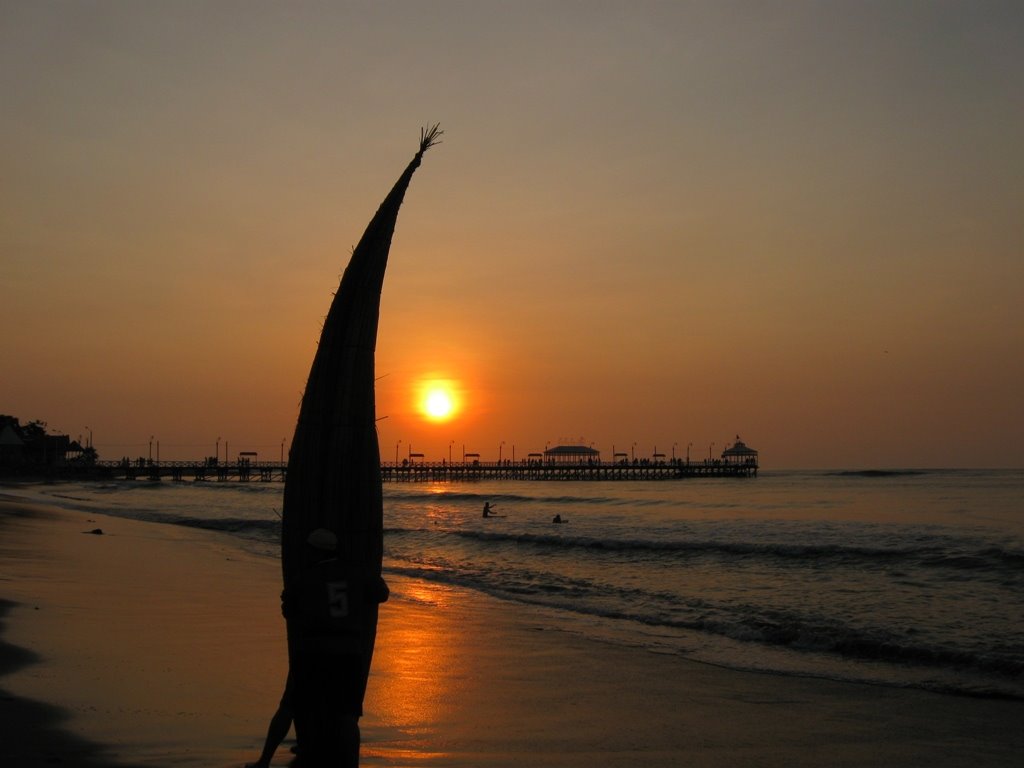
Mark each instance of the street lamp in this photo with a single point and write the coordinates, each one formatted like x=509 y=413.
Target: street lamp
x=709 y=451
x=89 y=430
x=450 y=444
x=499 y=451
x=396 y=452
x=216 y=451
x=282 y=450
x=150 y=449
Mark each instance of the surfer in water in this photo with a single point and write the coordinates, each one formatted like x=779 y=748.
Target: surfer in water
x=487 y=509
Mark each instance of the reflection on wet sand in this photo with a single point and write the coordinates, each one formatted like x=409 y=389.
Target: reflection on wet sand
x=417 y=668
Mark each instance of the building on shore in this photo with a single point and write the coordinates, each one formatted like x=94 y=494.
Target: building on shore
x=29 y=447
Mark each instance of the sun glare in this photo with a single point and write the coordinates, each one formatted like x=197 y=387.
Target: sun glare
x=437 y=400
x=438 y=405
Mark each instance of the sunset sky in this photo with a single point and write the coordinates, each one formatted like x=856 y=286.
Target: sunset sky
x=650 y=224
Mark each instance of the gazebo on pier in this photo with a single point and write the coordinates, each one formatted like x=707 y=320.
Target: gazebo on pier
x=740 y=453
x=572 y=454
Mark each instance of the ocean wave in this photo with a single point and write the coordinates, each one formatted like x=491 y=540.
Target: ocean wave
x=252 y=528
x=805 y=634
x=433 y=497
x=876 y=472
x=994 y=560
x=988 y=559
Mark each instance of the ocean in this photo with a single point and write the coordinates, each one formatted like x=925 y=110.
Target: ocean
x=900 y=578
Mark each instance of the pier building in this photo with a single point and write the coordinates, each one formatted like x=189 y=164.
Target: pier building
x=572 y=454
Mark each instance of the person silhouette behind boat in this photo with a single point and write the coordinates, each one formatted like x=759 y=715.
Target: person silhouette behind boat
x=326 y=606
x=280 y=724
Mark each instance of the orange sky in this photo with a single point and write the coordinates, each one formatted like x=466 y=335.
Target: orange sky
x=658 y=224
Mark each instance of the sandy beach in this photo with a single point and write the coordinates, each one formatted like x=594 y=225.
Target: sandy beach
x=159 y=645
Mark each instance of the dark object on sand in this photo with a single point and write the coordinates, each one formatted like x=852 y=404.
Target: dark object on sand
x=95 y=531
x=334 y=484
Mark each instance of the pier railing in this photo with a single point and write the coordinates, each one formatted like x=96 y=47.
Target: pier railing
x=418 y=472
x=639 y=470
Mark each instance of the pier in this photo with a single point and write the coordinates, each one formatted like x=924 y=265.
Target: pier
x=640 y=470
x=563 y=462
x=421 y=472
x=198 y=471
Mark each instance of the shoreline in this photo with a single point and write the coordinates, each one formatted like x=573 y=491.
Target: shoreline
x=156 y=644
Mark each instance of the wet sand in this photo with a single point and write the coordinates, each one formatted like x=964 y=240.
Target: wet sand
x=158 y=645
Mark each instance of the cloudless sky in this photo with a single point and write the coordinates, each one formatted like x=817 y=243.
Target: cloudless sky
x=650 y=224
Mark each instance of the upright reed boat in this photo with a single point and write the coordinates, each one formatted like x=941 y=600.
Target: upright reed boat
x=332 y=521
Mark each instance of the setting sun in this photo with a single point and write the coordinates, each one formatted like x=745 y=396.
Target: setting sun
x=437 y=400
x=438 y=405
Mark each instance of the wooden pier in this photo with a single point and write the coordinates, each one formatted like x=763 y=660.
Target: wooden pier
x=198 y=471
x=427 y=472
x=601 y=471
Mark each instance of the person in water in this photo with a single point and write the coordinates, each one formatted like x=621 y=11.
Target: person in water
x=487 y=509
x=557 y=519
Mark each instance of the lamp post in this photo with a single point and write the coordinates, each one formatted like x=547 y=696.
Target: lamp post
x=282 y=451
x=396 y=452
x=216 y=451
x=150 y=449
x=499 y=452
x=674 y=452
x=688 y=447
x=89 y=430
x=450 y=444
x=709 y=452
